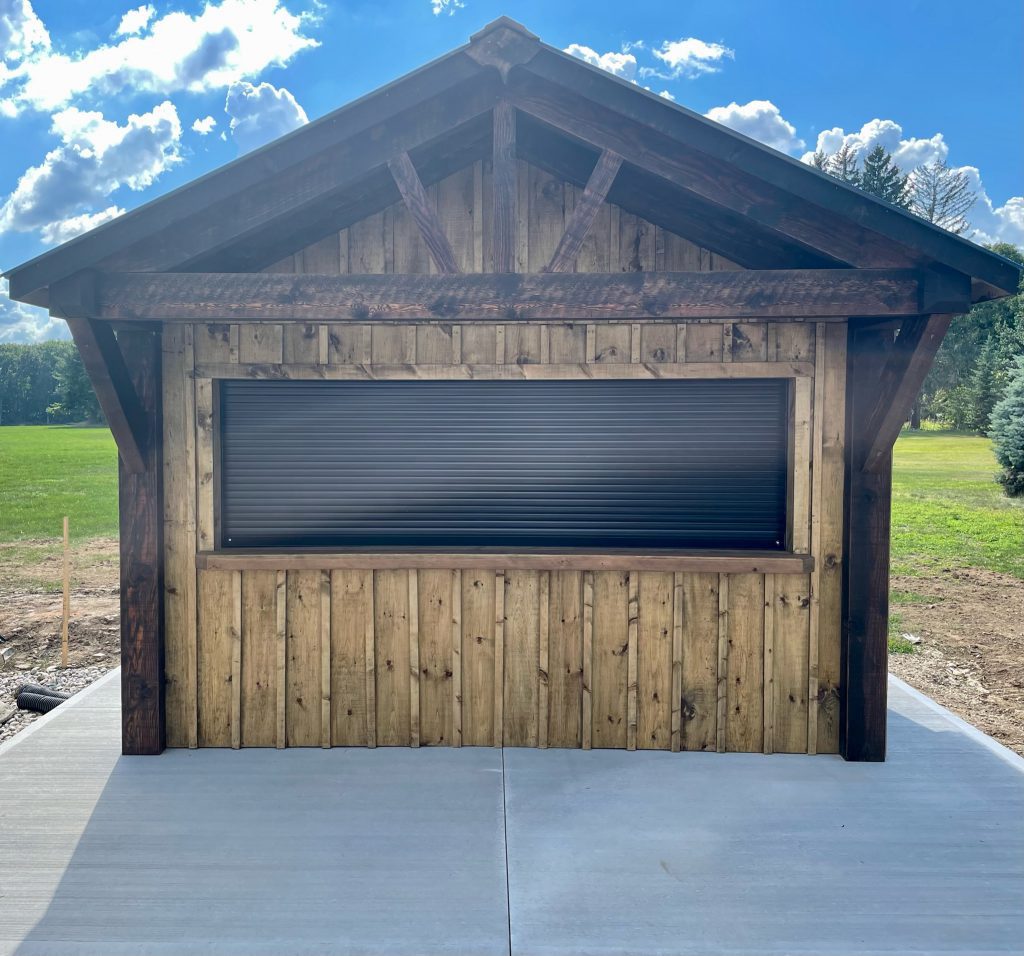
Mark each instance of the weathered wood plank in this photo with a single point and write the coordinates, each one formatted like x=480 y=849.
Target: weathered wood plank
x=677 y=662
x=259 y=659
x=565 y=659
x=499 y=656
x=504 y=203
x=699 y=697
x=478 y=613
x=543 y=659
x=502 y=372
x=414 y=658
x=827 y=546
x=744 y=731
x=205 y=398
x=435 y=656
x=522 y=657
x=587 y=677
x=456 y=645
x=791 y=621
x=753 y=294
x=215 y=606
x=391 y=641
x=351 y=615
x=609 y=652
x=758 y=562
x=303 y=708
x=654 y=661
x=179 y=464
x=632 y=660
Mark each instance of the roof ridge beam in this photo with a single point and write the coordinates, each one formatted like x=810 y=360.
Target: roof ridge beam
x=275 y=297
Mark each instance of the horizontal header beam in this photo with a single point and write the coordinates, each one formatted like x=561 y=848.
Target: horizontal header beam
x=787 y=294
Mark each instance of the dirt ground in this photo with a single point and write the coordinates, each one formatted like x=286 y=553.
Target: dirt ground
x=30 y=617
x=971 y=655
x=970 y=624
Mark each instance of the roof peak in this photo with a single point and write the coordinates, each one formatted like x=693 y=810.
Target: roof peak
x=503 y=44
x=503 y=23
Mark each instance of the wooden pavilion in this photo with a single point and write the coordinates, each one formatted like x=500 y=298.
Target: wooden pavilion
x=509 y=405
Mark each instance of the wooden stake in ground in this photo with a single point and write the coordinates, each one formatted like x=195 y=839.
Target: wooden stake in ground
x=67 y=600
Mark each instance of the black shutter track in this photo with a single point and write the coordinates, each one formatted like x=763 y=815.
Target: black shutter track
x=647 y=464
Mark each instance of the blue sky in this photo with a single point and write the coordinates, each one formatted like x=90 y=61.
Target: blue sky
x=104 y=105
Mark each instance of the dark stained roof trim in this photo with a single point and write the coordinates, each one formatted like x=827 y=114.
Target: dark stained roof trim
x=242 y=173
x=774 y=167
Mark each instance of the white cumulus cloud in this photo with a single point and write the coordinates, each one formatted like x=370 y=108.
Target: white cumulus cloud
x=445 y=6
x=261 y=113
x=204 y=126
x=989 y=222
x=226 y=41
x=27 y=323
x=621 y=64
x=21 y=33
x=65 y=229
x=96 y=157
x=135 y=21
x=908 y=152
x=688 y=57
x=760 y=120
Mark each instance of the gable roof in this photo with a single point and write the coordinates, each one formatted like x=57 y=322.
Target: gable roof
x=681 y=170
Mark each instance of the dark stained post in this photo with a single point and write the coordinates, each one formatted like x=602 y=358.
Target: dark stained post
x=865 y=635
x=505 y=187
x=142 y=574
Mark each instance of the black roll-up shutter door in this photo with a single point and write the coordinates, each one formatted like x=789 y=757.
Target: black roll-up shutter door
x=584 y=464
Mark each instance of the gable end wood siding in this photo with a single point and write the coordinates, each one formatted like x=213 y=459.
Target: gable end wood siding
x=678 y=660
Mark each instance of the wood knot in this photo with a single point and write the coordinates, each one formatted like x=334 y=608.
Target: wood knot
x=444 y=306
x=360 y=310
x=654 y=304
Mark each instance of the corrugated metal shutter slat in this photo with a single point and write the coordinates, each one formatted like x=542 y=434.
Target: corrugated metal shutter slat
x=639 y=464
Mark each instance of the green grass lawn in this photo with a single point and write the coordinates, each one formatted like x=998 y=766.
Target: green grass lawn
x=47 y=472
x=948 y=512
x=947 y=509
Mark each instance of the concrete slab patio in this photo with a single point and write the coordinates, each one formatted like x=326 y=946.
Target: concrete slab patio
x=402 y=851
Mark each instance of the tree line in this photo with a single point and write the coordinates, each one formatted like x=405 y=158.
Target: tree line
x=45 y=383
x=977 y=381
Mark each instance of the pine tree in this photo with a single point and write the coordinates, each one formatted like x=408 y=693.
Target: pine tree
x=942 y=196
x=883 y=178
x=1008 y=433
x=843 y=164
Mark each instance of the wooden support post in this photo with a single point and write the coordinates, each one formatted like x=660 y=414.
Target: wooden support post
x=505 y=214
x=902 y=377
x=423 y=213
x=75 y=300
x=142 y=587
x=864 y=657
x=66 y=609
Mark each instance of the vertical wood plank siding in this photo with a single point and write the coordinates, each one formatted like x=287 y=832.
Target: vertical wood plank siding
x=463 y=656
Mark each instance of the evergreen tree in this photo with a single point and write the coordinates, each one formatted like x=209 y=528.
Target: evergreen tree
x=883 y=178
x=75 y=399
x=1008 y=432
x=942 y=196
